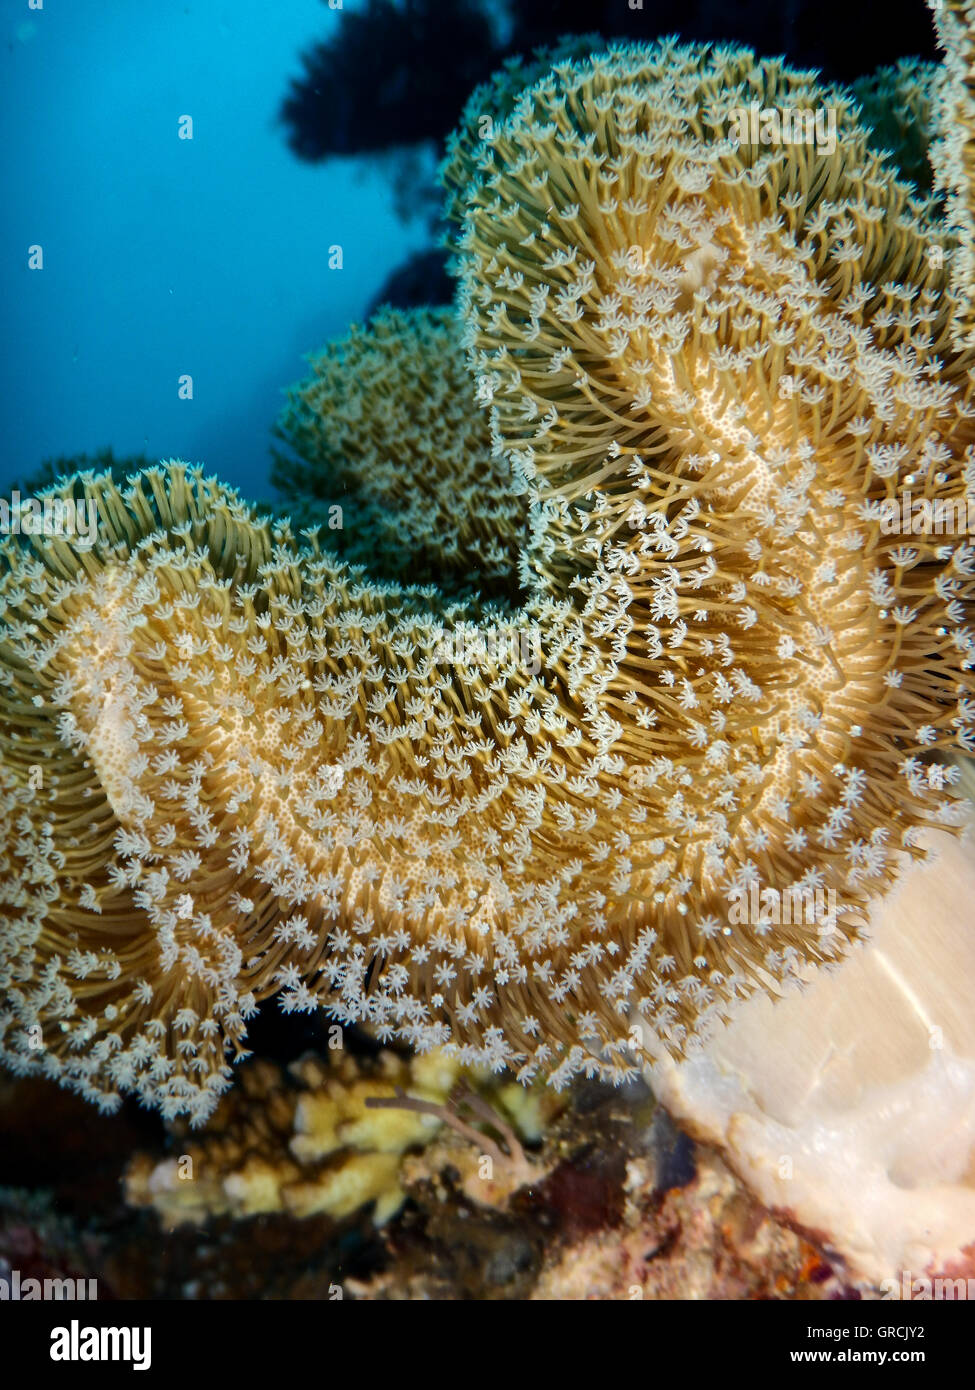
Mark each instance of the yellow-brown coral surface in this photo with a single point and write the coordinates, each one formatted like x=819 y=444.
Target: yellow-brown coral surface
x=233 y=766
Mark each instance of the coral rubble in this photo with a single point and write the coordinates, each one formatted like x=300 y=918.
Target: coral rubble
x=315 y=1141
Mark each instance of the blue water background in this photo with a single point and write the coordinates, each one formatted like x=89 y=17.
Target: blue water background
x=165 y=256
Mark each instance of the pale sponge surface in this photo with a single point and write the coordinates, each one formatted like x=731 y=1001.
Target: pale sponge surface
x=852 y=1104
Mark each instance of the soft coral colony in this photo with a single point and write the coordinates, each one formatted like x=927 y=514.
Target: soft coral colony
x=684 y=375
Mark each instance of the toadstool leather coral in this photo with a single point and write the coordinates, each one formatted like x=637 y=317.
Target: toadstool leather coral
x=233 y=765
x=388 y=421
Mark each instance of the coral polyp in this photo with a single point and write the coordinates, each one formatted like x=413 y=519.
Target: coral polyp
x=235 y=765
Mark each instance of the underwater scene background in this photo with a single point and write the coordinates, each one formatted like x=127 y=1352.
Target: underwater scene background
x=209 y=256
x=493 y=623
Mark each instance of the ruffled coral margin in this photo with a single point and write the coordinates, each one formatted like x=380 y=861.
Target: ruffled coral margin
x=953 y=153
x=234 y=766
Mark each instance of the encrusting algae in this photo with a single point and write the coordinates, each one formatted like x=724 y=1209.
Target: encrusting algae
x=233 y=765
